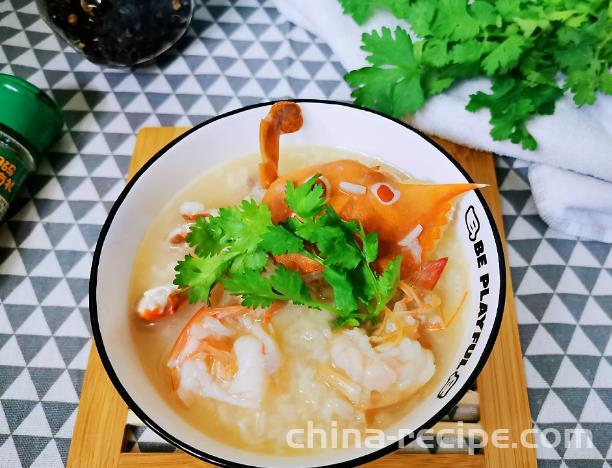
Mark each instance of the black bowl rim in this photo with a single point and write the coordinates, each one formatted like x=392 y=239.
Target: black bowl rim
x=344 y=464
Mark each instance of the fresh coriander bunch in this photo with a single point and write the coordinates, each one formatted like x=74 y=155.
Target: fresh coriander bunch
x=236 y=248
x=532 y=50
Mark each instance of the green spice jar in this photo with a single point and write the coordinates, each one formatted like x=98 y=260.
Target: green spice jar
x=29 y=123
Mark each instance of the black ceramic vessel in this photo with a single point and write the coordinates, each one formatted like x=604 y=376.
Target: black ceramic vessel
x=118 y=33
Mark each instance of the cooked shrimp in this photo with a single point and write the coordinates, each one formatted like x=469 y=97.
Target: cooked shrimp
x=371 y=376
x=160 y=302
x=222 y=353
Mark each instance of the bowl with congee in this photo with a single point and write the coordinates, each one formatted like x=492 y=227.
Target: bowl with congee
x=298 y=283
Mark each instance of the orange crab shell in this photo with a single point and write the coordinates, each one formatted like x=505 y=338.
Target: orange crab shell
x=357 y=191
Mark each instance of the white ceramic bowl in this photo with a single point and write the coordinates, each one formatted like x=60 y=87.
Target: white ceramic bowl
x=233 y=135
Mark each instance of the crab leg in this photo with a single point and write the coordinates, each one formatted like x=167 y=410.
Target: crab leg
x=284 y=117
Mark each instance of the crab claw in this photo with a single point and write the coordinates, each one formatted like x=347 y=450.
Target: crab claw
x=284 y=117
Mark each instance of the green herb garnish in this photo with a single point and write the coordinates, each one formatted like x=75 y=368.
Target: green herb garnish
x=533 y=51
x=234 y=249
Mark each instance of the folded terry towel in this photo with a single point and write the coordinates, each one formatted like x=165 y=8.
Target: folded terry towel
x=571 y=174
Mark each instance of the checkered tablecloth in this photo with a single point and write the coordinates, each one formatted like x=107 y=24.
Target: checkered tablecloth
x=236 y=52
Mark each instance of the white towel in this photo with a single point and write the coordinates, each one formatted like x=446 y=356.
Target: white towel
x=572 y=172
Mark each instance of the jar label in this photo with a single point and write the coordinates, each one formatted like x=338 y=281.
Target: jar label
x=12 y=174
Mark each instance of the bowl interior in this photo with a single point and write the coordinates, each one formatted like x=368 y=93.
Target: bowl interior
x=234 y=135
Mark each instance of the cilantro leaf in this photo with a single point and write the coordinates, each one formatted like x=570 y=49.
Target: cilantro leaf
x=256 y=261
x=261 y=291
x=343 y=289
x=204 y=237
x=584 y=85
x=278 y=240
x=467 y=52
x=388 y=281
x=527 y=43
x=199 y=274
x=334 y=240
x=362 y=10
x=420 y=16
x=485 y=13
x=435 y=82
x=370 y=244
x=234 y=249
x=373 y=87
x=435 y=52
x=243 y=226
x=453 y=21
x=307 y=199
x=385 y=287
x=290 y=285
x=348 y=322
x=511 y=103
x=586 y=58
x=505 y=55
x=394 y=77
x=382 y=53
x=364 y=284
x=605 y=83
x=255 y=289
x=229 y=240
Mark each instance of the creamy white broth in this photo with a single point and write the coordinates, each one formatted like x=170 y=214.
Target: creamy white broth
x=264 y=430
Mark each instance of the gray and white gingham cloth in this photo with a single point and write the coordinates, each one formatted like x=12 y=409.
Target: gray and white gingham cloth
x=236 y=52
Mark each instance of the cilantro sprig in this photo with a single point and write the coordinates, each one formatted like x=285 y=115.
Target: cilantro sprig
x=235 y=247
x=532 y=50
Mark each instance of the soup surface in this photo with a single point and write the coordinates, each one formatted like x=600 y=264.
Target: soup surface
x=307 y=339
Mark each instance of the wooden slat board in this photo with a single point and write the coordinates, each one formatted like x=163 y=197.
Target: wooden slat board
x=501 y=384
x=100 y=425
x=395 y=460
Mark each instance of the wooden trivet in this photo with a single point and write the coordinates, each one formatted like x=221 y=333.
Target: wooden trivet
x=501 y=396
